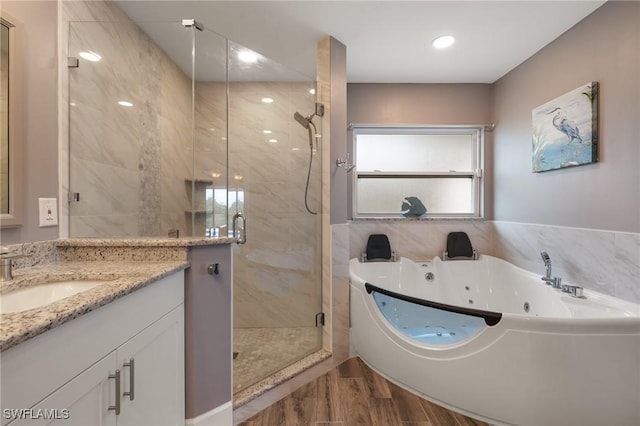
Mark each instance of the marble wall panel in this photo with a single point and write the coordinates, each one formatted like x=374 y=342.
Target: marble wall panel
x=210 y=118
x=75 y=12
x=146 y=142
x=419 y=239
x=627 y=266
x=104 y=190
x=584 y=257
x=273 y=291
x=340 y=291
x=599 y=260
x=175 y=164
x=603 y=261
x=274 y=180
x=113 y=225
x=102 y=141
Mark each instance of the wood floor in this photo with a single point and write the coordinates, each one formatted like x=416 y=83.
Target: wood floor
x=352 y=394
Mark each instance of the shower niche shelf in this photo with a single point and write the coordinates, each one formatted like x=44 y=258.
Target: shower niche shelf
x=197 y=195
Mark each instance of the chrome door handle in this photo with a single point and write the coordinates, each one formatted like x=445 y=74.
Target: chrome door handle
x=131 y=365
x=240 y=239
x=117 y=406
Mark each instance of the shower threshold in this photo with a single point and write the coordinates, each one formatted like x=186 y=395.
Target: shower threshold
x=243 y=396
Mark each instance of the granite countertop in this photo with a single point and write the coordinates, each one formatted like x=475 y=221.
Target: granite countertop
x=143 y=242
x=121 y=278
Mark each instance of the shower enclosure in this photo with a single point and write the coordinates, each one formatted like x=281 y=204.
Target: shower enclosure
x=174 y=129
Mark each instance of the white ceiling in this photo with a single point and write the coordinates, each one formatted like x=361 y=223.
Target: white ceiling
x=387 y=41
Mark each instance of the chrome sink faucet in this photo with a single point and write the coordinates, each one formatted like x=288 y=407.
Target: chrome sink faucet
x=555 y=282
x=6 y=265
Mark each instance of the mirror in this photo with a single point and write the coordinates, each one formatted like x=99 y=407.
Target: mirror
x=10 y=123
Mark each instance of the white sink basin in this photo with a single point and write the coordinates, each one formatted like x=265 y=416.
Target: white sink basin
x=42 y=294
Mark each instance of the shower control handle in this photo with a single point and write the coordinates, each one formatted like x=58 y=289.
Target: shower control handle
x=240 y=239
x=213 y=269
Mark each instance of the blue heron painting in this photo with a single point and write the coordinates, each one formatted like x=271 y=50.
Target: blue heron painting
x=565 y=131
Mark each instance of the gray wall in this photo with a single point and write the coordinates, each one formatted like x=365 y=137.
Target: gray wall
x=207 y=303
x=337 y=123
x=424 y=104
x=604 y=47
x=40 y=150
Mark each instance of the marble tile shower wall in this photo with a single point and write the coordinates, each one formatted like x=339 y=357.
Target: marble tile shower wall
x=128 y=163
x=604 y=261
x=278 y=272
x=210 y=159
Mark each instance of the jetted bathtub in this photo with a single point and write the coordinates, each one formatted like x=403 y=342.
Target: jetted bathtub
x=494 y=342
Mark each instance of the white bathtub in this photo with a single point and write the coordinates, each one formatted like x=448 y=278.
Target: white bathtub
x=546 y=359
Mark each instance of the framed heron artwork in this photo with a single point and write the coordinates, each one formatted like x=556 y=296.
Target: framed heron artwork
x=565 y=130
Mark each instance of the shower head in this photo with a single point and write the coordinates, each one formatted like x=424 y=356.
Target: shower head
x=304 y=121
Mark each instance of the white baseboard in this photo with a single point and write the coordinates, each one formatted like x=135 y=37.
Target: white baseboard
x=219 y=416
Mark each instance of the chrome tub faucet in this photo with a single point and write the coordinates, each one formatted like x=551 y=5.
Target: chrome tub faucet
x=555 y=282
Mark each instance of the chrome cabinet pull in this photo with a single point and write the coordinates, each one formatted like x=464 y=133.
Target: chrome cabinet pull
x=240 y=239
x=131 y=365
x=117 y=406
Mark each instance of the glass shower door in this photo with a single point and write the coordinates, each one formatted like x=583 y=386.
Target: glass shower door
x=277 y=273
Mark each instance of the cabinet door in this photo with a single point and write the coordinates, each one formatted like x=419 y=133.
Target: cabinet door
x=86 y=399
x=153 y=390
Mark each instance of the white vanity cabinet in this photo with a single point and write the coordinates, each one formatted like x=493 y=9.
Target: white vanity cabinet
x=71 y=371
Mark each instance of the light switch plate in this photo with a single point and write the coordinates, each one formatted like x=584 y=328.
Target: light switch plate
x=48 y=212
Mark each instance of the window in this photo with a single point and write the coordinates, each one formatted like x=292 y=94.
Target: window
x=441 y=166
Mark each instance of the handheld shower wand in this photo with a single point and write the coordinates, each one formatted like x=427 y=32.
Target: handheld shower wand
x=307 y=123
x=304 y=121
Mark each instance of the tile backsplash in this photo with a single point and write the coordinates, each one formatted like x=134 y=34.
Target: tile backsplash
x=599 y=260
x=604 y=261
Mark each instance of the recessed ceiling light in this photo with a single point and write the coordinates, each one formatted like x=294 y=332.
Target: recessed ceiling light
x=295 y=149
x=267 y=100
x=267 y=132
x=215 y=175
x=248 y=56
x=443 y=42
x=312 y=91
x=273 y=140
x=90 y=56
x=125 y=103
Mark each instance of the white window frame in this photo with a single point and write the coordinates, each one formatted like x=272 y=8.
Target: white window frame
x=476 y=175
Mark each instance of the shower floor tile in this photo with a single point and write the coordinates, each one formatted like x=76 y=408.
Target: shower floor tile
x=264 y=351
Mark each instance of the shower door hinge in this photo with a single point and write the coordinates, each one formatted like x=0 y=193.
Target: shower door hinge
x=319 y=319
x=187 y=23
x=73 y=196
x=72 y=62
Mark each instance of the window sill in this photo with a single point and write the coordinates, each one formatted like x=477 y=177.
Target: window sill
x=413 y=219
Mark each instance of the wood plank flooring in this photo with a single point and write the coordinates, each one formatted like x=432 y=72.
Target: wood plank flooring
x=354 y=395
